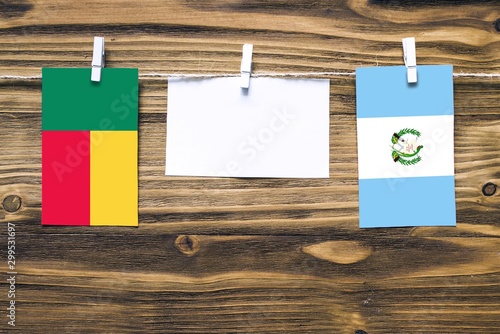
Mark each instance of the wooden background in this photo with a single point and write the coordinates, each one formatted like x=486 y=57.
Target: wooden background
x=252 y=255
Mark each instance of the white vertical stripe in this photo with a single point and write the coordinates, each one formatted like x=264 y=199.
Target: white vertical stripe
x=374 y=146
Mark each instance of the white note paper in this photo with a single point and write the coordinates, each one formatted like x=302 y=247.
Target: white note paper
x=277 y=128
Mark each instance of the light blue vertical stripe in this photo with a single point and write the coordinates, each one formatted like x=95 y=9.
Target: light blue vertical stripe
x=416 y=201
x=385 y=92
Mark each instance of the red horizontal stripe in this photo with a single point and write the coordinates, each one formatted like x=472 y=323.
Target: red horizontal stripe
x=66 y=177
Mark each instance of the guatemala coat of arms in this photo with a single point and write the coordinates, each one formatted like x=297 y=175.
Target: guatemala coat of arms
x=405 y=147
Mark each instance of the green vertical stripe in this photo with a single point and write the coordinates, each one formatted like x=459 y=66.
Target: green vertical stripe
x=71 y=101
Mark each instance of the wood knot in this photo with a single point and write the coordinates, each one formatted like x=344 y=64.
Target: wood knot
x=342 y=252
x=360 y=331
x=489 y=189
x=12 y=203
x=496 y=24
x=187 y=244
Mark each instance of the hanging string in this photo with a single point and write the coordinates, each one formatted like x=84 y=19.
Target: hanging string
x=254 y=75
x=296 y=75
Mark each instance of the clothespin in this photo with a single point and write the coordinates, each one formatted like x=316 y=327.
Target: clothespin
x=246 y=65
x=410 y=57
x=97 y=59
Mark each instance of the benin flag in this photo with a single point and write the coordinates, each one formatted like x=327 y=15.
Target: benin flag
x=89 y=147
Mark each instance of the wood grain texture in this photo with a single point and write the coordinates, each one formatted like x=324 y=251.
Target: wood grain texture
x=252 y=255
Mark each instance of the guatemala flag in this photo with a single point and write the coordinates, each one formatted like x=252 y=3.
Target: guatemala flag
x=405 y=147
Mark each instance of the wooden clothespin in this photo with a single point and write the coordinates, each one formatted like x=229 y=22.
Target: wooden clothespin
x=246 y=65
x=97 y=59
x=410 y=58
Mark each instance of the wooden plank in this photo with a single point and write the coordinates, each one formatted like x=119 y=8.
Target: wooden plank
x=259 y=284
x=194 y=37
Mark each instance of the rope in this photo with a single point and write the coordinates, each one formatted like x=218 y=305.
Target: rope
x=254 y=75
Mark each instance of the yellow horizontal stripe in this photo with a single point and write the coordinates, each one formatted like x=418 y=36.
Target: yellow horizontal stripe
x=113 y=178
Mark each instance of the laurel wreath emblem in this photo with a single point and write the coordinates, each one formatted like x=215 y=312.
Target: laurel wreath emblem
x=405 y=158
